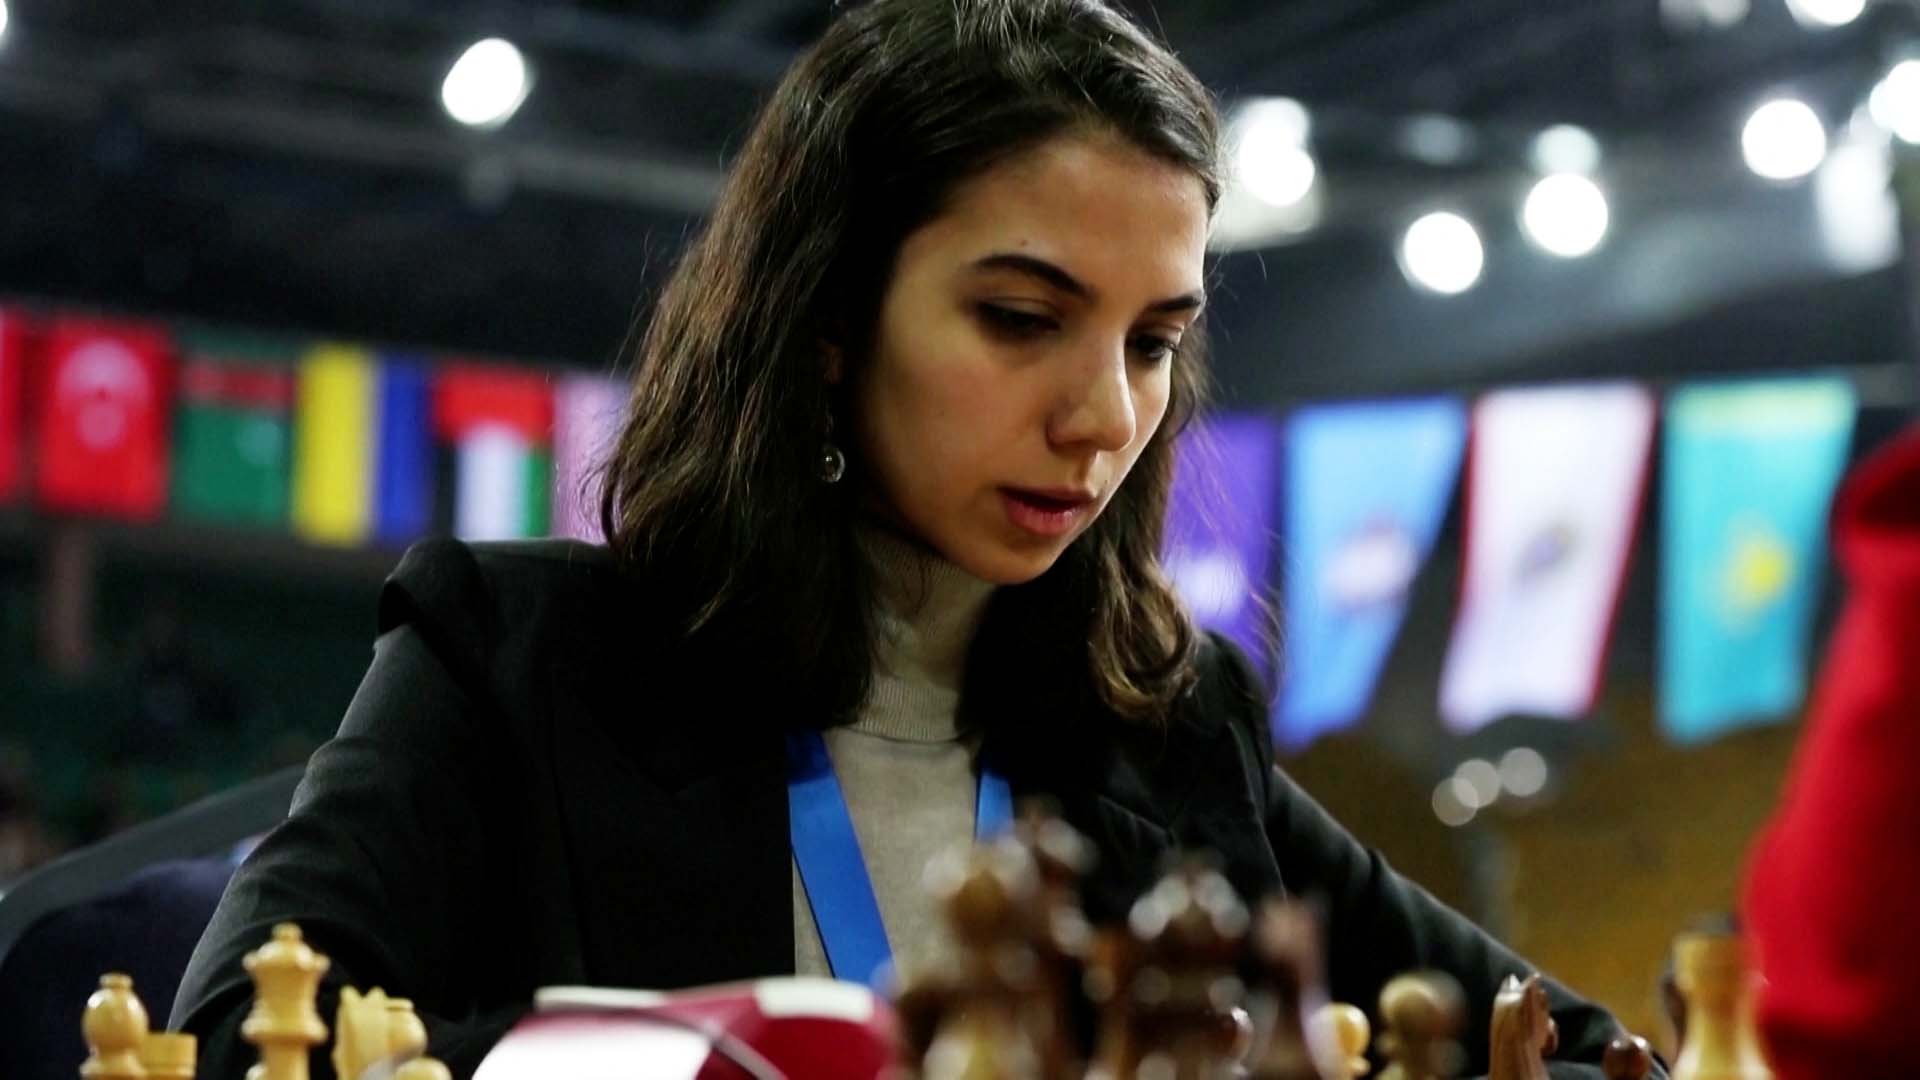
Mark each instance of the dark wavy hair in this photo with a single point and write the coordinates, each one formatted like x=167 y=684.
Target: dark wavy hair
x=712 y=488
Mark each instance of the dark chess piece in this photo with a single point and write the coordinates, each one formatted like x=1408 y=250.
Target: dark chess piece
x=1291 y=990
x=1627 y=1058
x=985 y=1016
x=1168 y=985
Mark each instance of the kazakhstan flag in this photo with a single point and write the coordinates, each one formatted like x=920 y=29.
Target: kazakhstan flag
x=1749 y=473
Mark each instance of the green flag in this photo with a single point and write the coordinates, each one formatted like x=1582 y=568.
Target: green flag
x=233 y=433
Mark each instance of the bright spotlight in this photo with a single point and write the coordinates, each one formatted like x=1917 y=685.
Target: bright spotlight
x=3 y=20
x=486 y=85
x=1270 y=155
x=1567 y=148
x=1895 y=104
x=1442 y=252
x=1783 y=140
x=1825 y=14
x=1566 y=214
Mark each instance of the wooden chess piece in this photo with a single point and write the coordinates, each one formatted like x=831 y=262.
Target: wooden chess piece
x=169 y=1055
x=1422 y=1014
x=406 y=1035
x=1345 y=1028
x=1523 y=1031
x=1059 y=934
x=987 y=1024
x=114 y=1026
x=1627 y=1058
x=1675 y=1008
x=1170 y=987
x=284 y=1023
x=362 y=1033
x=423 y=1068
x=1286 y=950
x=1711 y=972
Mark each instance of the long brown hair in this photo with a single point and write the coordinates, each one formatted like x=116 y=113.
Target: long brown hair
x=712 y=487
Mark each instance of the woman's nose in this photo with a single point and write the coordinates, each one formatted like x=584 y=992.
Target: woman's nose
x=1097 y=405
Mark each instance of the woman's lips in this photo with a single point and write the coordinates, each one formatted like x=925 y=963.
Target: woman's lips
x=1045 y=512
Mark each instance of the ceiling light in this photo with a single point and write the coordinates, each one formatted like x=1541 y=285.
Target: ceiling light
x=1442 y=252
x=1783 y=140
x=486 y=85
x=1565 y=214
x=1270 y=152
x=1567 y=148
x=1825 y=14
x=1895 y=104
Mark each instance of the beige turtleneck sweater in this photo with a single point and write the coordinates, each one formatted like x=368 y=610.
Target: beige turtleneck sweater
x=903 y=766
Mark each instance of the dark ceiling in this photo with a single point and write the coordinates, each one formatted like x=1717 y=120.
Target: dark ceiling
x=286 y=164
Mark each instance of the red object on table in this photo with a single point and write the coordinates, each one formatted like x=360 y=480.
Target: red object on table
x=103 y=398
x=798 y=1028
x=1832 y=888
x=13 y=406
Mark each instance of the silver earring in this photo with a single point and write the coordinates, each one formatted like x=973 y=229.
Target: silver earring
x=833 y=463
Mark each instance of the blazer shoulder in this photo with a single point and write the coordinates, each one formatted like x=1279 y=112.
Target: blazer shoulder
x=472 y=600
x=1228 y=693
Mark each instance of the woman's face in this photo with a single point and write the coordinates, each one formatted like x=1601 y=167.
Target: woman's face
x=1024 y=351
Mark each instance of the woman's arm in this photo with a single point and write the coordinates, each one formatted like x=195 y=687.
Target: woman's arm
x=382 y=862
x=1380 y=925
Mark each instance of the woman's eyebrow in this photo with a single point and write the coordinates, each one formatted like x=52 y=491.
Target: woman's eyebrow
x=1058 y=278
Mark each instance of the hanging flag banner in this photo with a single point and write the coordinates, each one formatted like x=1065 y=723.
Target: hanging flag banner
x=403 y=473
x=103 y=410
x=1367 y=488
x=363 y=449
x=232 y=443
x=1749 y=473
x=334 y=445
x=13 y=404
x=587 y=411
x=1218 y=545
x=499 y=421
x=1556 y=480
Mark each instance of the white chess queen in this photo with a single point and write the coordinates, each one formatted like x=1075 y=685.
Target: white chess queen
x=883 y=527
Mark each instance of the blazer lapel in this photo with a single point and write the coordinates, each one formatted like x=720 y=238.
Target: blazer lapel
x=675 y=815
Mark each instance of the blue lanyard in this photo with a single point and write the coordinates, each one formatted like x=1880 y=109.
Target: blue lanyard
x=831 y=867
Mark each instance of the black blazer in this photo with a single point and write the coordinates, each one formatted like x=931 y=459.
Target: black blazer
x=533 y=787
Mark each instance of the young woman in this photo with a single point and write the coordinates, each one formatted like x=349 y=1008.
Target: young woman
x=883 y=522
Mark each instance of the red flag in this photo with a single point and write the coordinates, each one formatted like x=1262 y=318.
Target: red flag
x=103 y=419
x=466 y=396
x=13 y=409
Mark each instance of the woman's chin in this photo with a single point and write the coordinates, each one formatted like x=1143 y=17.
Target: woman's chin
x=1004 y=564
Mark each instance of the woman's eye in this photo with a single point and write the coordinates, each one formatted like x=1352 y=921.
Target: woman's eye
x=1014 y=322
x=1155 y=349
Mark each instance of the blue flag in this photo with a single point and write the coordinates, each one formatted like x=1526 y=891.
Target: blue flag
x=1367 y=487
x=1748 y=475
x=403 y=460
x=1219 y=540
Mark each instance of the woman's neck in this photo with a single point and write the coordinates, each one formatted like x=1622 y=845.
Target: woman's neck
x=926 y=613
